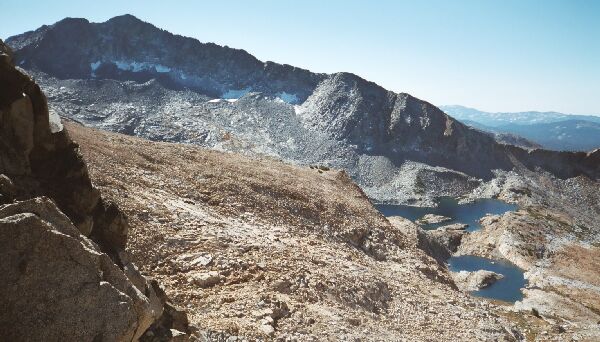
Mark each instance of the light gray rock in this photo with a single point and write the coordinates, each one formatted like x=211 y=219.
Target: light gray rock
x=267 y=329
x=432 y=219
x=473 y=281
x=57 y=285
x=206 y=279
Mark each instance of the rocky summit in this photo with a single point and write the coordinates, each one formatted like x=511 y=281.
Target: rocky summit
x=128 y=76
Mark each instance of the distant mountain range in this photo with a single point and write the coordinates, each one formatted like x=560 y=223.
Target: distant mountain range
x=131 y=77
x=552 y=130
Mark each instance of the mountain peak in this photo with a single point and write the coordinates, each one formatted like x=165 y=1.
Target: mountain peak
x=127 y=20
x=71 y=20
x=70 y=24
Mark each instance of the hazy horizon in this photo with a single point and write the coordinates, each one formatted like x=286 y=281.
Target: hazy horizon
x=509 y=56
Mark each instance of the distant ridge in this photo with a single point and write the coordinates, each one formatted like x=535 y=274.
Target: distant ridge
x=552 y=130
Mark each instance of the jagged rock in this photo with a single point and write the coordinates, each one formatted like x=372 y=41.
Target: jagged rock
x=449 y=237
x=5 y=53
x=40 y=162
x=57 y=285
x=7 y=189
x=171 y=324
x=439 y=243
x=473 y=281
x=114 y=226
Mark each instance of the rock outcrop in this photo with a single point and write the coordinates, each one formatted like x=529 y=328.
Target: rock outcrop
x=439 y=243
x=65 y=274
x=57 y=284
x=447 y=237
x=432 y=219
x=473 y=281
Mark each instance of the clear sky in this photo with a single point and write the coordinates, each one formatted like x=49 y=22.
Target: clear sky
x=509 y=55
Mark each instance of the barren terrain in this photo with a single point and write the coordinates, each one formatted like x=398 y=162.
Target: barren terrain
x=261 y=249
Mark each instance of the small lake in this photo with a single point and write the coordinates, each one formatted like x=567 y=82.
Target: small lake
x=467 y=213
x=507 y=289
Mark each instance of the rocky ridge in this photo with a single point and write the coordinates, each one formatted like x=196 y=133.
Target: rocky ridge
x=171 y=88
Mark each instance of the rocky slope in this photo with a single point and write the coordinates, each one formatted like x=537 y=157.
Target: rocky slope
x=257 y=249
x=131 y=77
x=65 y=274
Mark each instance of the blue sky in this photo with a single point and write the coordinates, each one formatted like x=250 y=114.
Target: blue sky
x=510 y=55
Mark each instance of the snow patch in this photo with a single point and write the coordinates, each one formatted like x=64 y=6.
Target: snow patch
x=287 y=97
x=141 y=66
x=235 y=94
x=219 y=100
x=94 y=66
x=298 y=110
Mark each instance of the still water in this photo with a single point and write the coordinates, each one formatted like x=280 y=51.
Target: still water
x=506 y=289
x=468 y=213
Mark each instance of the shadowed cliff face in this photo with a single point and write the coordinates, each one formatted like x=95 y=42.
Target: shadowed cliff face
x=62 y=244
x=287 y=112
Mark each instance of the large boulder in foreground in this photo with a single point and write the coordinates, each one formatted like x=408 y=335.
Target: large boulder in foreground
x=57 y=285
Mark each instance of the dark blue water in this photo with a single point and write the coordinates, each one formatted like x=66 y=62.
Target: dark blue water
x=507 y=289
x=468 y=213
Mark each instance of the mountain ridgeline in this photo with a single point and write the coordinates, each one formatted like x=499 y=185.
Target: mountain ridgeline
x=125 y=48
x=128 y=76
x=551 y=130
